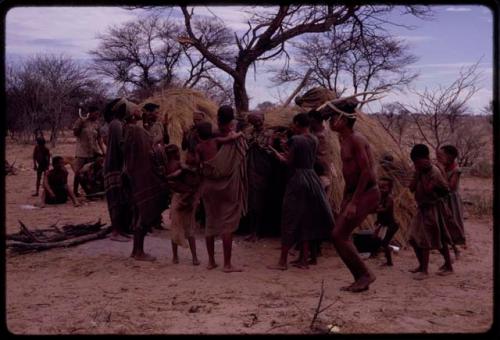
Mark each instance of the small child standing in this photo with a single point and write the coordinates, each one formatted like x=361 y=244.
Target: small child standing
x=386 y=225
x=429 y=226
x=446 y=156
x=41 y=161
x=182 y=212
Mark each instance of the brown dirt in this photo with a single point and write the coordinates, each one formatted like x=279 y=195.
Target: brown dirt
x=96 y=288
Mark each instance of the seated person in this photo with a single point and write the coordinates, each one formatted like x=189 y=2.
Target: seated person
x=55 y=185
x=91 y=177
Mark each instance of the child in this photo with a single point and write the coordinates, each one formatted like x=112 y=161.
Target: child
x=208 y=146
x=181 y=214
x=446 y=156
x=41 y=161
x=385 y=219
x=429 y=228
x=55 y=185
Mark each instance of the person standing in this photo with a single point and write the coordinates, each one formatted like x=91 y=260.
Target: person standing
x=89 y=143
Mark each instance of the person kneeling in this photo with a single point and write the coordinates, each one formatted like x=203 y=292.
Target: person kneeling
x=55 y=185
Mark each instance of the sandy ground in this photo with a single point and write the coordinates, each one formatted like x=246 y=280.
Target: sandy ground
x=96 y=288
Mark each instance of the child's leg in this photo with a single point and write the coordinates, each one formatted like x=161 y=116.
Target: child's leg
x=314 y=249
x=388 y=255
x=298 y=247
x=227 y=247
x=138 y=248
x=175 y=256
x=282 y=263
x=210 y=241
x=456 y=251
x=192 y=247
x=418 y=254
x=38 y=180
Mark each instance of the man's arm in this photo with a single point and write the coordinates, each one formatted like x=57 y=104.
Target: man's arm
x=34 y=159
x=229 y=138
x=71 y=195
x=454 y=180
x=46 y=185
x=367 y=172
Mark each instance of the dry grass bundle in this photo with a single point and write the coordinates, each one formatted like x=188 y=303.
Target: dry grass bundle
x=382 y=145
x=178 y=105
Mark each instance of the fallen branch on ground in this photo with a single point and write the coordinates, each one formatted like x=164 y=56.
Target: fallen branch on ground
x=66 y=236
x=319 y=310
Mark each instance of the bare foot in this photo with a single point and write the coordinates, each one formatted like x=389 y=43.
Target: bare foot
x=175 y=260
x=230 y=269
x=301 y=265
x=278 y=267
x=119 y=238
x=251 y=238
x=420 y=276
x=416 y=270
x=196 y=262
x=35 y=194
x=212 y=266
x=312 y=261
x=445 y=271
x=144 y=257
x=363 y=283
x=296 y=261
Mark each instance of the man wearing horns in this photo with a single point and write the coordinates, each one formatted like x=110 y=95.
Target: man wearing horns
x=361 y=193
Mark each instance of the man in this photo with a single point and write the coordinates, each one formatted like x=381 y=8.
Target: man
x=224 y=190
x=152 y=124
x=89 y=143
x=118 y=203
x=361 y=194
x=55 y=185
x=147 y=191
x=259 y=167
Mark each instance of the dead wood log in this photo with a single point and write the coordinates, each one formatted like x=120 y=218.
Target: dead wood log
x=299 y=87
x=22 y=247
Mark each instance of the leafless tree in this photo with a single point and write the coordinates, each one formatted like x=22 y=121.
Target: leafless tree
x=342 y=60
x=45 y=92
x=395 y=120
x=271 y=29
x=438 y=110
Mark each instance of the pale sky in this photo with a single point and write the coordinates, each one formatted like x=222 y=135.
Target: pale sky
x=457 y=36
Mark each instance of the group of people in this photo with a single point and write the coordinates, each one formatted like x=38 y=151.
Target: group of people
x=225 y=174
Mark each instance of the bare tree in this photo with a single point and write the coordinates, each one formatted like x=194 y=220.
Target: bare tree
x=269 y=30
x=395 y=120
x=45 y=92
x=342 y=60
x=438 y=110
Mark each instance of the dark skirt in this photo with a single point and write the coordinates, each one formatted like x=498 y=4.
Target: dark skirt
x=306 y=214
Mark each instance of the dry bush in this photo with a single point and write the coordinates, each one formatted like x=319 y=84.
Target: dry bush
x=480 y=205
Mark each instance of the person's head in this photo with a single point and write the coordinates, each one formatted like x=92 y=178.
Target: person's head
x=173 y=152
x=204 y=130
x=385 y=185
x=344 y=117
x=57 y=162
x=40 y=141
x=420 y=156
x=225 y=116
x=256 y=119
x=447 y=154
x=151 y=112
x=198 y=117
x=301 y=122
x=93 y=112
x=316 y=119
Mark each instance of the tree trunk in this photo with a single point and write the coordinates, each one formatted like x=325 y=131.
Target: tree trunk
x=240 y=91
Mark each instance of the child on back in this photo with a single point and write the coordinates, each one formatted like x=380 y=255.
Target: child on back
x=386 y=225
x=446 y=156
x=41 y=161
x=209 y=145
x=429 y=226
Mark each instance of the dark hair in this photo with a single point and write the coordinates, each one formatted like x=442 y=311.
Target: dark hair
x=225 y=115
x=150 y=107
x=55 y=160
x=315 y=116
x=93 y=108
x=40 y=140
x=301 y=119
x=450 y=150
x=204 y=130
x=388 y=180
x=109 y=114
x=419 y=151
